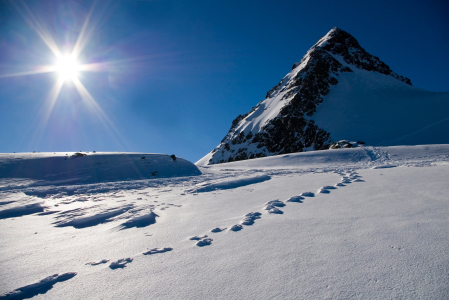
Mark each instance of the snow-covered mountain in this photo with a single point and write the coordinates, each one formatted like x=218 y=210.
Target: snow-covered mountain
x=338 y=91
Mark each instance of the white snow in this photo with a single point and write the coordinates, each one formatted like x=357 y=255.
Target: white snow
x=380 y=110
x=380 y=235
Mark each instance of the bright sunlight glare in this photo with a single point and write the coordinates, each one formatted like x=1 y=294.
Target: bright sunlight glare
x=67 y=67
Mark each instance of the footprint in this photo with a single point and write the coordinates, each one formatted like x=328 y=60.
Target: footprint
x=295 y=199
x=236 y=227
x=157 y=250
x=218 y=229
x=121 y=263
x=340 y=184
x=205 y=242
x=197 y=238
x=250 y=218
x=103 y=261
x=275 y=211
x=307 y=194
x=323 y=191
x=358 y=180
x=274 y=203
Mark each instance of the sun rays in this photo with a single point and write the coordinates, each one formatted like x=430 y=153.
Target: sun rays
x=68 y=66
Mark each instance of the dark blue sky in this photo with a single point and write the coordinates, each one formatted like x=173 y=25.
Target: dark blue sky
x=176 y=73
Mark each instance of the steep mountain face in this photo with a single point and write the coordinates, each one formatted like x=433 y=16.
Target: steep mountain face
x=336 y=70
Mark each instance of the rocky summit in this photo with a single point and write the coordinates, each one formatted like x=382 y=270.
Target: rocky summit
x=285 y=121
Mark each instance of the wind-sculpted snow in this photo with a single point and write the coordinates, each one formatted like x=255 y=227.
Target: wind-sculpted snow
x=40 y=287
x=140 y=221
x=384 y=167
x=21 y=211
x=99 y=218
x=232 y=184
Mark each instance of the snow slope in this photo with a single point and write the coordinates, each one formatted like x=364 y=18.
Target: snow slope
x=361 y=223
x=380 y=110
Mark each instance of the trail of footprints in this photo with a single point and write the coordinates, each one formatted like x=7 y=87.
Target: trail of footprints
x=273 y=207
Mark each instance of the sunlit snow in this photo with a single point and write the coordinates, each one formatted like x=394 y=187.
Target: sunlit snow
x=360 y=223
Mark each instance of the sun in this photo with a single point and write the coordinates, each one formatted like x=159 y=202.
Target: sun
x=67 y=67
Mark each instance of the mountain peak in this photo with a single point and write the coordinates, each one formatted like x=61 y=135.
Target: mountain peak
x=344 y=46
x=334 y=32
x=284 y=122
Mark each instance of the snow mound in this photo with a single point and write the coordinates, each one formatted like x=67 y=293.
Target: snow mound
x=59 y=168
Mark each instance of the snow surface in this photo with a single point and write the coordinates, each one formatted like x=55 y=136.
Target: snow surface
x=259 y=229
x=380 y=110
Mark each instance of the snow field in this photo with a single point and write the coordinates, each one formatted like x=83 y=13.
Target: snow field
x=380 y=235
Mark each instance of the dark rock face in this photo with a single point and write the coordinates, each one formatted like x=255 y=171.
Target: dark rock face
x=346 y=45
x=292 y=129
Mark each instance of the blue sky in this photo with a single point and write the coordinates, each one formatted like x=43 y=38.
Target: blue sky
x=172 y=75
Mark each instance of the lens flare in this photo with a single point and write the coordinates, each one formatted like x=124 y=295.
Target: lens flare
x=68 y=69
